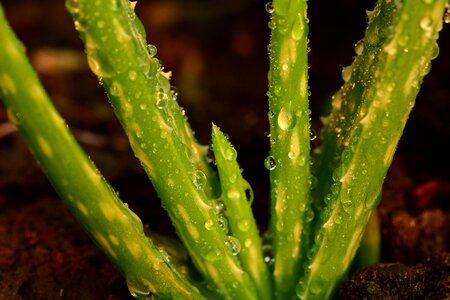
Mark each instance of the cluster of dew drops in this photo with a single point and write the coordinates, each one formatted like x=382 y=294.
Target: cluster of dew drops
x=199 y=180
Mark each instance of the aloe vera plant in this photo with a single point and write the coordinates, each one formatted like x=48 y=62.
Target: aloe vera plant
x=320 y=200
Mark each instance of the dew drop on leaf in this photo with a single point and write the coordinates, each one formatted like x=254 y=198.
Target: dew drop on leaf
x=209 y=224
x=268 y=254
x=198 y=179
x=426 y=24
x=286 y=120
x=152 y=50
x=233 y=244
x=269 y=163
x=243 y=225
x=316 y=286
x=435 y=51
x=300 y=289
x=347 y=73
x=309 y=215
x=269 y=7
x=137 y=288
x=347 y=205
x=162 y=99
x=230 y=153
x=115 y=89
x=219 y=207
x=312 y=135
x=447 y=14
x=213 y=255
x=359 y=47
x=223 y=223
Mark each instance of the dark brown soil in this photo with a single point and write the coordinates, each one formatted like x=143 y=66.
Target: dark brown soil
x=217 y=52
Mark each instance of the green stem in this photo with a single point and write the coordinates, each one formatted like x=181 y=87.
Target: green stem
x=363 y=130
x=237 y=197
x=112 y=226
x=289 y=161
x=139 y=91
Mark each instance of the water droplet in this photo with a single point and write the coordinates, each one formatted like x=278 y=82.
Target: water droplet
x=209 y=224
x=272 y=24
x=198 y=179
x=335 y=188
x=347 y=205
x=278 y=90
x=269 y=49
x=347 y=73
x=219 y=207
x=285 y=67
x=230 y=153
x=143 y=106
x=162 y=99
x=115 y=89
x=426 y=24
x=137 y=288
x=312 y=135
x=435 y=51
x=359 y=47
x=233 y=194
x=291 y=154
x=78 y=26
x=270 y=163
x=132 y=75
x=424 y=71
x=233 y=244
x=279 y=225
x=223 y=223
x=316 y=286
x=300 y=289
x=269 y=7
x=309 y=215
x=286 y=120
x=243 y=225
x=447 y=14
x=152 y=50
x=73 y=6
x=268 y=255
x=213 y=255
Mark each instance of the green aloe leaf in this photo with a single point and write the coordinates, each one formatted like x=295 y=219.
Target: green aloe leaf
x=116 y=230
x=362 y=132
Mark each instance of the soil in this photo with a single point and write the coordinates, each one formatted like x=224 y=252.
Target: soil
x=217 y=52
